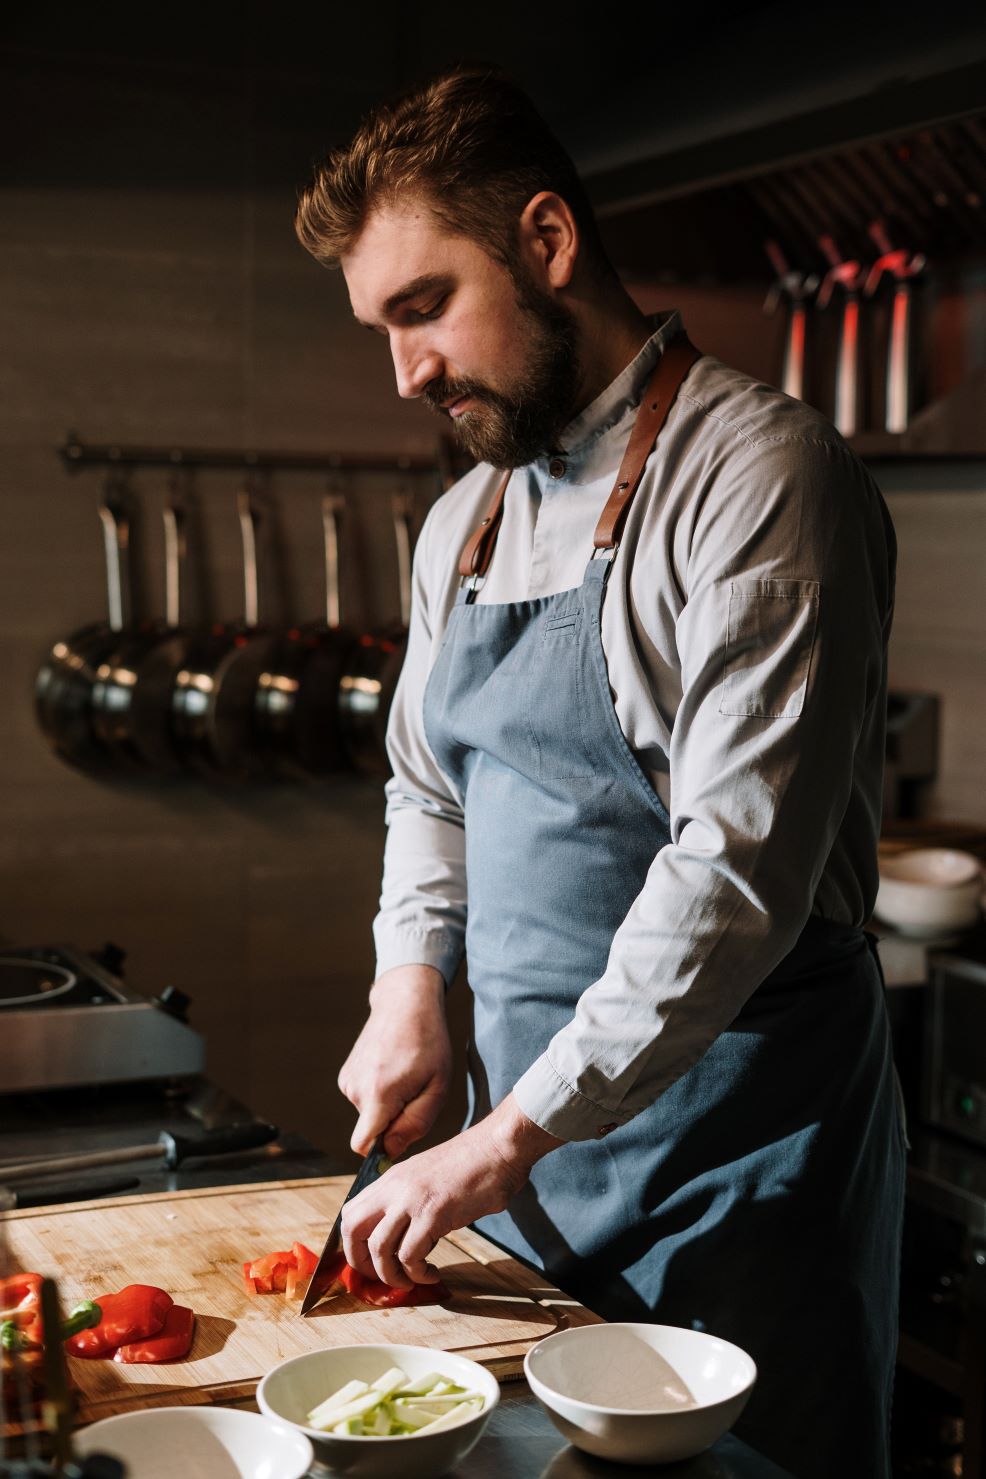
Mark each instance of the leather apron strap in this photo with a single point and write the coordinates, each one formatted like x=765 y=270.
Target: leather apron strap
x=656 y=402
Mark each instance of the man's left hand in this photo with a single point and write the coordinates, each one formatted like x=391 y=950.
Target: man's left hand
x=389 y=1230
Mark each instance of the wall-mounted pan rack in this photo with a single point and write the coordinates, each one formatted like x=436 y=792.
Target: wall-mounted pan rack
x=446 y=461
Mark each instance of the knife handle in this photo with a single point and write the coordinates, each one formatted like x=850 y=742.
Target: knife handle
x=178 y=1148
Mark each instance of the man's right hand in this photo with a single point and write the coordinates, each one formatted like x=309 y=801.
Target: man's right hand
x=399 y=1070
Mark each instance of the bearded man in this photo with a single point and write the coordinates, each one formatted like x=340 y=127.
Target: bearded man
x=637 y=751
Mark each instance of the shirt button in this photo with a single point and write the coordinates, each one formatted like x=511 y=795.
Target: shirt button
x=605 y=1129
x=556 y=467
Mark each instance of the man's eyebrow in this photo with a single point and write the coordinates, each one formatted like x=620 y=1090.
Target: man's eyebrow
x=428 y=282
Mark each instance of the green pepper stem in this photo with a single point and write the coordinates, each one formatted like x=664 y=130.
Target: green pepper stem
x=84 y=1316
x=10 y=1337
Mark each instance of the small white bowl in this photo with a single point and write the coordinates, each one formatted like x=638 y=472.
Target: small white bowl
x=290 y=1391
x=641 y=1394
x=199 y=1443
x=929 y=891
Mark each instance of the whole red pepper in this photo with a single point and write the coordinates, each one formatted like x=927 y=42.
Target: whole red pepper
x=134 y=1313
x=173 y=1340
x=20 y=1300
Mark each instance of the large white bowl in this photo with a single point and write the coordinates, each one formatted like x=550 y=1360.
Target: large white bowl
x=929 y=891
x=642 y=1394
x=291 y=1390
x=199 y=1443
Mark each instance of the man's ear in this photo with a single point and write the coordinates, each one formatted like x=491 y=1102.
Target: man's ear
x=549 y=239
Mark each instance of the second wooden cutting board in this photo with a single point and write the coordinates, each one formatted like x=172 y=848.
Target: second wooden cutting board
x=194 y=1245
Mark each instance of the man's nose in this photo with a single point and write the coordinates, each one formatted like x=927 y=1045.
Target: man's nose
x=415 y=367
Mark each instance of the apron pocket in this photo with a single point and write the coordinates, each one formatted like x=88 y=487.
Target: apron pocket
x=554 y=700
x=770 y=637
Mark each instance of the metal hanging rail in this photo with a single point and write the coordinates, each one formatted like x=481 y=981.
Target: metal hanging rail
x=76 y=453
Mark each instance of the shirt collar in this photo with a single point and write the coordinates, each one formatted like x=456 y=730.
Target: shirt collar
x=622 y=394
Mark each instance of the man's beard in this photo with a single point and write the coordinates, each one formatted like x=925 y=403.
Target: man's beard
x=512 y=428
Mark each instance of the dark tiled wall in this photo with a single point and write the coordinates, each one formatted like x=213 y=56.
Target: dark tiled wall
x=139 y=311
x=141 y=301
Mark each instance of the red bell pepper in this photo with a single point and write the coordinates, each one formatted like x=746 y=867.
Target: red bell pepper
x=375 y=1292
x=20 y=1300
x=280 y=1272
x=270 y=1272
x=172 y=1341
x=134 y=1313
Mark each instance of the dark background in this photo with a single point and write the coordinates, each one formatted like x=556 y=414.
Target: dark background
x=152 y=292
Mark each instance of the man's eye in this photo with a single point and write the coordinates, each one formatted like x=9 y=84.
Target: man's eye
x=433 y=312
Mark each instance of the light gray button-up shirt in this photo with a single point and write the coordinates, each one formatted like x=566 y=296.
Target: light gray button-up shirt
x=745 y=631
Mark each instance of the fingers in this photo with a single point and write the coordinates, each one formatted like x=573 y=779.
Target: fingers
x=381 y=1251
x=413 y=1256
x=373 y=1120
x=392 y=1247
x=416 y=1118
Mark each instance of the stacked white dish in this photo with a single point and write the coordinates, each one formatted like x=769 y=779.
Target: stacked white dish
x=930 y=891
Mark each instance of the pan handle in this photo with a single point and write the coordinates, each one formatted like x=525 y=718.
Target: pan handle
x=175 y=549
x=249 y=521
x=115 y=519
x=332 y=506
x=401 y=506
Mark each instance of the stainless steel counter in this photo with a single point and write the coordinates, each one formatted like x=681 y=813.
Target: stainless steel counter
x=520 y=1442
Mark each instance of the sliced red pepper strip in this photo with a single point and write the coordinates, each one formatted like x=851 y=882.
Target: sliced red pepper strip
x=305 y=1260
x=134 y=1313
x=264 y=1268
x=382 y=1296
x=280 y=1272
x=172 y=1341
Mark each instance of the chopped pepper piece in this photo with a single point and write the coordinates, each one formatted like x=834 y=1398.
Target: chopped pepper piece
x=381 y=1295
x=280 y=1272
x=270 y=1272
x=134 y=1313
x=172 y=1341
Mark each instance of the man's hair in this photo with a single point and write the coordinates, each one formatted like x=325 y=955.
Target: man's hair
x=471 y=144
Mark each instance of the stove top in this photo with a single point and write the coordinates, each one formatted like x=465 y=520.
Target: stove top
x=69 y=1019
x=53 y=977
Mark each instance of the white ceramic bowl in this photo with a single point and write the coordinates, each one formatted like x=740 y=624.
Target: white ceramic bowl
x=291 y=1390
x=929 y=891
x=199 y=1443
x=642 y=1394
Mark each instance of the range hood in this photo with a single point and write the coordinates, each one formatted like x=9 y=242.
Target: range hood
x=870 y=183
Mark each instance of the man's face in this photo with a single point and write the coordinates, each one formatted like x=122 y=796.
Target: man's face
x=497 y=356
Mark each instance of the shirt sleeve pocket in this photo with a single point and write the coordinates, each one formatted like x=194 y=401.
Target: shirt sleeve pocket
x=770 y=636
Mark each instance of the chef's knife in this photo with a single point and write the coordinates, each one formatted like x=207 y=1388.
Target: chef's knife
x=170 y=1148
x=373 y=1166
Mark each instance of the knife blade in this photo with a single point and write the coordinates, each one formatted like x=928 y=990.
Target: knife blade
x=374 y=1165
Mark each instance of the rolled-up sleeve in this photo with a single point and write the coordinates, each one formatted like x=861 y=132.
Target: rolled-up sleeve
x=422 y=914
x=782 y=645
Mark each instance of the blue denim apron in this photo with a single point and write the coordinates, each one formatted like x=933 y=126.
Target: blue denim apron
x=760 y=1196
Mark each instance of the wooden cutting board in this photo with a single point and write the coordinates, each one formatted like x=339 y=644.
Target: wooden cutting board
x=194 y=1244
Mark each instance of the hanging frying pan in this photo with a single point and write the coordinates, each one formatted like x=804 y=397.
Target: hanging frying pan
x=131 y=695
x=212 y=719
x=64 y=686
x=366 y=689
x=296 y=705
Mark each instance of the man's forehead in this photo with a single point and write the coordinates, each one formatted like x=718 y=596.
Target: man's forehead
x=394 y=235
x=400 y=250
